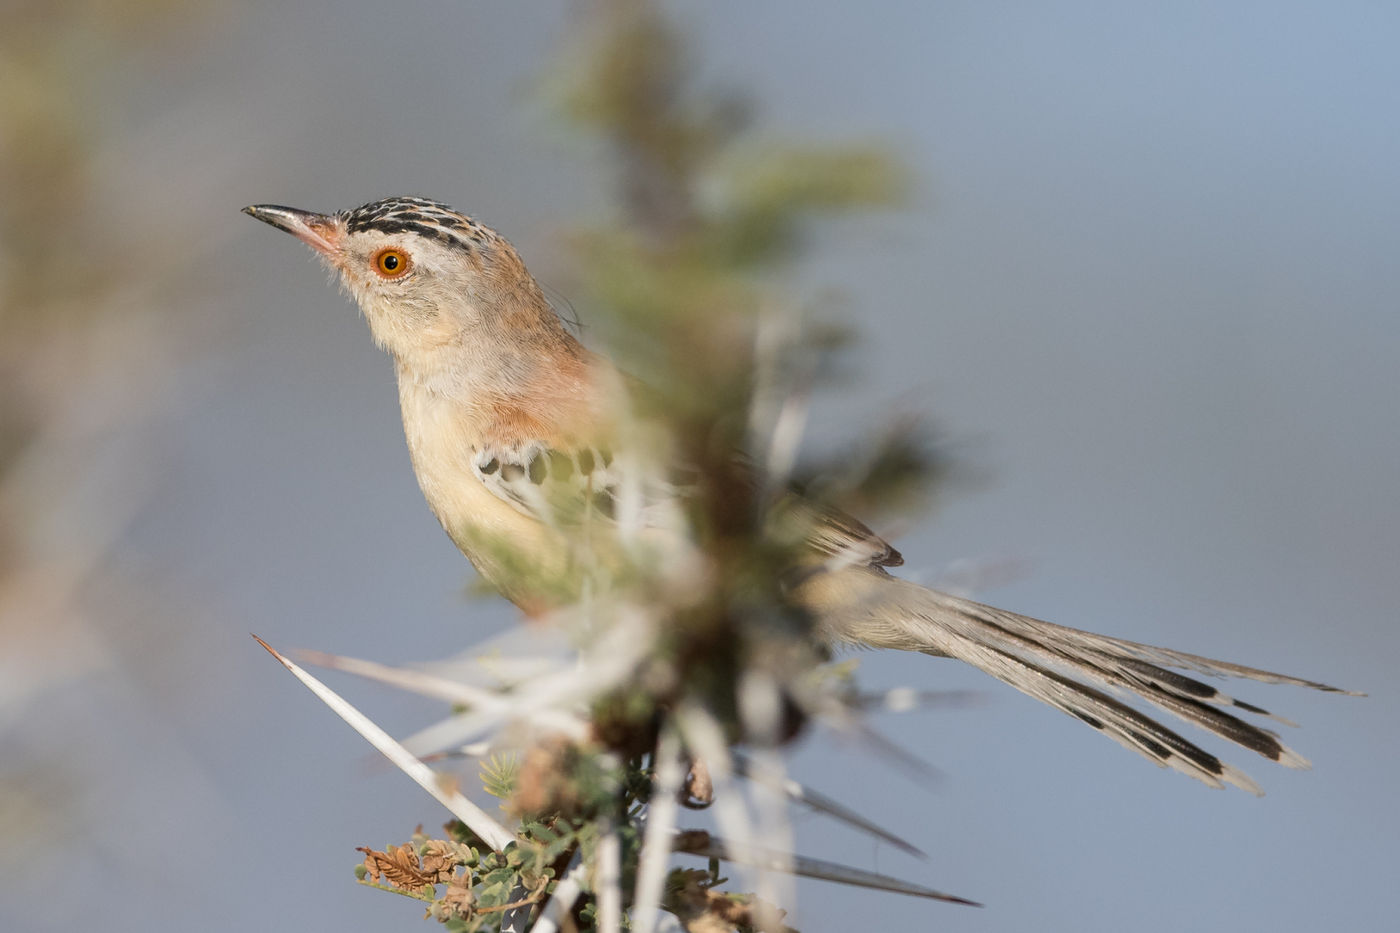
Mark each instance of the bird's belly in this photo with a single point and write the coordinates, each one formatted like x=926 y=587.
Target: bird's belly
x=519 y=555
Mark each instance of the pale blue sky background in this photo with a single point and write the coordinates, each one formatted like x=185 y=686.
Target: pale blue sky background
x=1149 y=287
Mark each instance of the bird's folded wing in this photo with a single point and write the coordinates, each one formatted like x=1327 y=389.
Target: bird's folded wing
x=567 y=487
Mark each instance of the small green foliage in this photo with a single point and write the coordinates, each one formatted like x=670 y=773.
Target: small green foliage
x=770 y=190
x=464 y=888
x=498 y=775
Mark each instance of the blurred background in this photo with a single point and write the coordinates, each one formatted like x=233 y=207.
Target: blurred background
x=1146 y=286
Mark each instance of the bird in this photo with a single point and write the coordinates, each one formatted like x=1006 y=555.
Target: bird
x=512 y=423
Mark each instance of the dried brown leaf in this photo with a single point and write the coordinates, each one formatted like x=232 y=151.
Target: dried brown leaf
x=545 y=782
x=439 y=861
x=702 y=909
x=699 y=791
x=458 y=898
x=399 y=866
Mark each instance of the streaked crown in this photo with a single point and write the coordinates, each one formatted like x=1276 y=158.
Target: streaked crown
x=426 y=218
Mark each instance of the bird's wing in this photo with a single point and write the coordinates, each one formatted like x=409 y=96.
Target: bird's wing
x=559 y=487
x=563 y=487
x=835 y=536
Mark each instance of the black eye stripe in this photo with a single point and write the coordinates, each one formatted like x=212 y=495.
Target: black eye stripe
x=427 y=231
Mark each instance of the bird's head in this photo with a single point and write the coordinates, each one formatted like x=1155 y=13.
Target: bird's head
x=424 y=276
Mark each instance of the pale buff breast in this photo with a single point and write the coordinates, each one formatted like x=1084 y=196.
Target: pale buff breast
x=516 y=553
x=534 y=564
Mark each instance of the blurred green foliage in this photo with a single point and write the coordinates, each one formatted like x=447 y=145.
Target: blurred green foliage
x=680 y=284
x=76 y=291
x=61 y=65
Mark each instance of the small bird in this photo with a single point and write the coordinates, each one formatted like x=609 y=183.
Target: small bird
x=511 y=423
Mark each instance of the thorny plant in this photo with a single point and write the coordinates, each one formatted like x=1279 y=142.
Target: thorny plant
x=683 y=658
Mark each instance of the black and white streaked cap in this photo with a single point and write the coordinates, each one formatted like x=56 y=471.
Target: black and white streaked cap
x=426 y=218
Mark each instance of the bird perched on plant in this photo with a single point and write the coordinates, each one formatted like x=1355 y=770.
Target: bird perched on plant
x=511 y=425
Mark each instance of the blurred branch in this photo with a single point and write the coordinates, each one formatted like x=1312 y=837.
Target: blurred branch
x=87 y=324
x=686 y=285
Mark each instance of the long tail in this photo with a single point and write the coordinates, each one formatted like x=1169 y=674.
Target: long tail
x=1065 y=668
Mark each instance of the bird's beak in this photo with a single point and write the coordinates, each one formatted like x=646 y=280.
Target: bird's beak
x=318 y=231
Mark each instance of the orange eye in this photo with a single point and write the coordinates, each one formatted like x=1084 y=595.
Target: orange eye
x=391 y=263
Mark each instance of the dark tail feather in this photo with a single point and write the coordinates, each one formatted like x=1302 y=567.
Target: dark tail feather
x=1051 y=663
